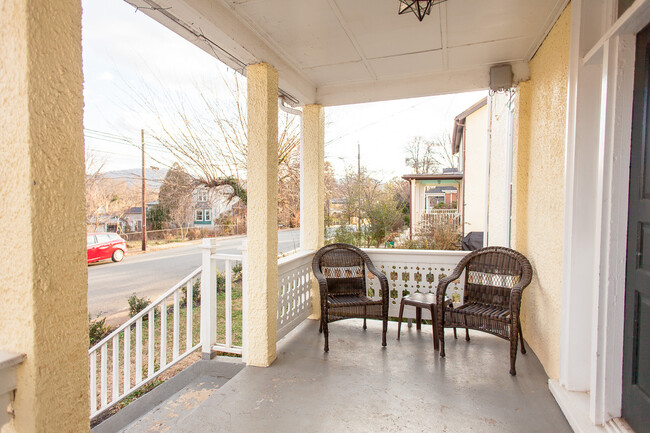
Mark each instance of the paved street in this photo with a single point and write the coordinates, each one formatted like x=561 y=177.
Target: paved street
x=152 y=273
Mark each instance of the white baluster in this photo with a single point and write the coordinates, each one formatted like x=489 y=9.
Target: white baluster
x=103 y=376
x=163 y=333
x=175 y=348
x=138 y=351
x=188 y=319
x=152 y=341
x=116 y=367
x=208 y=297
x=228 y=303
x=127 y=359
x=93 y=382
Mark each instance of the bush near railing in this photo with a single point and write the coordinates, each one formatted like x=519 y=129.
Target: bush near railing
x=439 y=235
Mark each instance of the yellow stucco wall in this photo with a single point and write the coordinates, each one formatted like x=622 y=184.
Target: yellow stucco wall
x=538 y=192
x=262 y=212
x=43 y=308
x=474 y=174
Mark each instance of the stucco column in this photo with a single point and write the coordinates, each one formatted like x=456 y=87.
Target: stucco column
x=312 y=188
x=262 y=219
x=43 y=311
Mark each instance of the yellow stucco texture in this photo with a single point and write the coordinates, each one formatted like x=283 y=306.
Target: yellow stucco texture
x=538 y=190
x=312 y=216
x=262 y=214
x=43 y=312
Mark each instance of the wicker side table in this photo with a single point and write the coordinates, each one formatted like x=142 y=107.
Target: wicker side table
x=420 y=301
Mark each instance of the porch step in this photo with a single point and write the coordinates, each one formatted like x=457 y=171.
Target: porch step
x=162 y=408
x=164 y=416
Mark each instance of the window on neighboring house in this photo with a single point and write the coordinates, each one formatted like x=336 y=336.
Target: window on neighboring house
x=207 y=215
x=202 y=195
x=199 y=215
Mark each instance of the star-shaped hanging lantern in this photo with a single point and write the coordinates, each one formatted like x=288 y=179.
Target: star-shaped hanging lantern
x=419 y=7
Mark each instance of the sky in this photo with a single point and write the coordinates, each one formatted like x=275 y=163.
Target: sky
x=126 y=53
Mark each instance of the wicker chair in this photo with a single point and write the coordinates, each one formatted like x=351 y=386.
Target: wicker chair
x=340 y=270
x=494 y=280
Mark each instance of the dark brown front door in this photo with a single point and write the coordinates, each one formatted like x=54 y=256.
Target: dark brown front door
x=636 y=347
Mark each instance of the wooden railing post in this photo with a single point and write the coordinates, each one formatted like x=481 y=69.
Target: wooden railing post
x=208 y=298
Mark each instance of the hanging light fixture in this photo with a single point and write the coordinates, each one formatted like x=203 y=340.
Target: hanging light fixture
x=419 y=7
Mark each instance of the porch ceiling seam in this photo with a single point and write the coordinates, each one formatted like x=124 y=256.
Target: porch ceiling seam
x=350 y=34
x=264 y=37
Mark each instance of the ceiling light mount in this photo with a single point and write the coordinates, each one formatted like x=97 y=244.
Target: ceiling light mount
x=418 y=7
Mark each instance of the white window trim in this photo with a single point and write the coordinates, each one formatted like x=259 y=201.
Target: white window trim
x=198 y=215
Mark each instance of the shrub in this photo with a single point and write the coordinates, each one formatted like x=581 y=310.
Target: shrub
x=137 y=304
x=439 y=236
x=98 y=329
x=196 y=294
x=237 y=272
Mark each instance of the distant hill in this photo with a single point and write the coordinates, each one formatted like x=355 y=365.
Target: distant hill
x=132 y=176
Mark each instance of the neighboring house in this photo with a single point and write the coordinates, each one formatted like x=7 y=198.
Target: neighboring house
x=106 y=223
x=483 y=139
x=210 y=204
x=429 y=190
x=133 y=216
x=469 y=139
x=435 y=196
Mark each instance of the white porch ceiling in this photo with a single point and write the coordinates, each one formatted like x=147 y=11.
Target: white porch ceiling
x=349 y=51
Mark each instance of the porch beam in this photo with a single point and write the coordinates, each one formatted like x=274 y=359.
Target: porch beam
x=437 y=83
x=262 y=191
x=43 y=256
x=312 y=188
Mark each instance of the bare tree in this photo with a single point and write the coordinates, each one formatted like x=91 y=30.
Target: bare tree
x=430 y=156
x=209 y=138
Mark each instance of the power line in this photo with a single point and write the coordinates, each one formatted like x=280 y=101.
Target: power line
x=377 y=121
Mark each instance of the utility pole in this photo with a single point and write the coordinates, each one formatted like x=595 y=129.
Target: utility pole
x=144 y=204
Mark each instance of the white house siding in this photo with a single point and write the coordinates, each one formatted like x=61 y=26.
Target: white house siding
x=474 y=170
x=498 y=202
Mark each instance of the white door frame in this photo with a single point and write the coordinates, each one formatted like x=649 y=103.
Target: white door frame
x=599 y=118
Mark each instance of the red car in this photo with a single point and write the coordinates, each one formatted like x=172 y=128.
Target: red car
x=102 y=246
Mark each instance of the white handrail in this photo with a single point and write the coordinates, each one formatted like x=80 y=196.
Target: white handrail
x=126 y=363
x=133 y=319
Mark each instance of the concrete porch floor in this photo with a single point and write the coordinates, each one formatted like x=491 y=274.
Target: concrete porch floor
x=361 y=387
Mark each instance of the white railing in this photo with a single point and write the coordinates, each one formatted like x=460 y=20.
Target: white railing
x=225 y=308
x=410 y=271
x=441 y=217
x=294 y=291
x=8 y=384
x=134 y=354
x=441 y=211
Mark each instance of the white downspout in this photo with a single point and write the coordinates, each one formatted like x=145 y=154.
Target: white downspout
x=290 y=110
x=487 y=169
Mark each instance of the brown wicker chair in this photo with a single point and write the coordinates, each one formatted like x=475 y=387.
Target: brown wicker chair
x=494 y=280
x=340 y=270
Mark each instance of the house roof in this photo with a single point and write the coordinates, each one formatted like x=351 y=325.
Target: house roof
x=134 y=210
x=434 y=176
x=459 y=124
x=442 y=189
